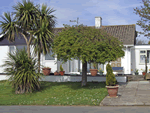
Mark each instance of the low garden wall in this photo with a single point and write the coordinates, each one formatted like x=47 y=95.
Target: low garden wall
x=73 y=78
x=79 y=78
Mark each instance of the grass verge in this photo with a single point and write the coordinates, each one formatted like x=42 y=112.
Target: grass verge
x=56 y=93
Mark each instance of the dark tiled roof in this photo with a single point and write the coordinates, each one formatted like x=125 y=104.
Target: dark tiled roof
x=57 y=30
x=18 y=41
x=125 y=33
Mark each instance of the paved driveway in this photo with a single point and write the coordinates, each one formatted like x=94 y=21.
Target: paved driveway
x=131 y=93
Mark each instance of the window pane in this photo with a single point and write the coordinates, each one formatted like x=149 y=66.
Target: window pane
x=21 y=47
x=11 y=49
x=49 y=57
x=148 y=56
x=142 y=58
x=142 y=52
x=71 y=67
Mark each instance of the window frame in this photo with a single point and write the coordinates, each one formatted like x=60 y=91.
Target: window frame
x=143 y=54
x=49 y=54
x=10 y=49
x=15 y=47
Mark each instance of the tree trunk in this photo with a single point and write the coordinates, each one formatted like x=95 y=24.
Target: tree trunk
x=84 y=74
x=39 y=56
x=145 y=67
x=28 y=50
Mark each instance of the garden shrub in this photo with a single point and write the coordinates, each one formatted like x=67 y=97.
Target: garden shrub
x=110 y=77
x=61 y=68
x=22 y=72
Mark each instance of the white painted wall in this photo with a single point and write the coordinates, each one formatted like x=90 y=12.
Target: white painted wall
x=125 y=61
x=49 y=63
x=133 y=59
x=4 y=50
x=137 y=64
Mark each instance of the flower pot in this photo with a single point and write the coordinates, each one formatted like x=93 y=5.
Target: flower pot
x=112 y=90
x=93 y=72
x=136 y=73
x=101 y=73
x=46 y=71
x=56 y=73
x=62 y=72
x=144 y=73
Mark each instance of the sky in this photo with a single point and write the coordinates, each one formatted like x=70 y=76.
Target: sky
x=113 y=12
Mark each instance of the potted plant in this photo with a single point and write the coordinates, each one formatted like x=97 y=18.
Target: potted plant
x=61 y=70
x=111 y=82
x=95 y=70
x=56 y=73
x=136 y=71
x=144 y=72
x=46 y=70
x=100 y=71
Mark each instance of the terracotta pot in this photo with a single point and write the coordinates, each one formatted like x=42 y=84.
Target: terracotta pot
x=93 y=72
x=56 y=73
x=61 y=72
x=144 y=73
x=112 y=90
x=46 y=71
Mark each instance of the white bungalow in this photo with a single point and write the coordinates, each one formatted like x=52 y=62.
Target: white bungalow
x=134 y=54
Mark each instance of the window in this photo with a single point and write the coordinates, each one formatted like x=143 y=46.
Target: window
x=142 y=51
x=142 y=58
x=143 y=54
x=11 y=49
x=49 y=57
x=21 y=47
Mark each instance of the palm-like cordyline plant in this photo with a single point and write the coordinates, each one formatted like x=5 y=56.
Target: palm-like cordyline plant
x=21 y=70
x=44 y=36
x=9 y=26
x=22 y=23
x=24 y=76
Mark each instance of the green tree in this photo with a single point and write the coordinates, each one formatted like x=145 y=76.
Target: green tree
x=43 y=32
x=144 y=13
x=138 y=41
x=88 y=44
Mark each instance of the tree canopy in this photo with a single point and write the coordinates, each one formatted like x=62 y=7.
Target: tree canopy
x=144 y=13
x=88 y=44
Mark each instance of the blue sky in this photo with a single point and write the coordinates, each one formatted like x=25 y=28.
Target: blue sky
x=113 y=12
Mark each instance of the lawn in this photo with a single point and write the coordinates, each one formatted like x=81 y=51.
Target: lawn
x=56 y=93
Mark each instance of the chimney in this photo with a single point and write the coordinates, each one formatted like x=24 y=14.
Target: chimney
x=98 y=22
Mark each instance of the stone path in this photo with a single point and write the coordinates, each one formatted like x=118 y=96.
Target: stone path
x=131 y=93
